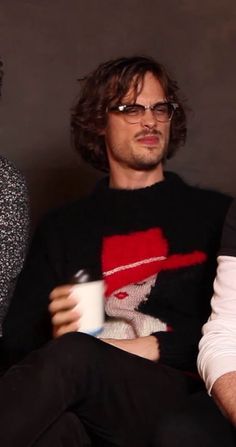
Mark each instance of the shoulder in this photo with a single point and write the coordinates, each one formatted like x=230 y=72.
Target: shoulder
x=14 y=198
x=201 y=208
x=211 y=208
x=231 y=216
x=69 y=219
x=8 y=168
x=83 y=211
x=208 y=202
x=10 y=176
x=67 y=235
x=228 y=243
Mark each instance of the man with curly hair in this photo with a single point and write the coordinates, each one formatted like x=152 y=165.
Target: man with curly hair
x=154 y=238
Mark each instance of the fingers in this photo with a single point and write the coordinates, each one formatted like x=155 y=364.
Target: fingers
x=64 y=311
x=60 y=292
x=65 y=317
x=61 y=304
x=58 y=331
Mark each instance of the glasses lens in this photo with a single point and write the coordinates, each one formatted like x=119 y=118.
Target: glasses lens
x=133 y=112
x=163 y=111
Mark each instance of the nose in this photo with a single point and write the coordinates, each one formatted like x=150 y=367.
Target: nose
x=148 y=119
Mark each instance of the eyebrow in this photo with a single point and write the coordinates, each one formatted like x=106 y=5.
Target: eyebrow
x=161 y=101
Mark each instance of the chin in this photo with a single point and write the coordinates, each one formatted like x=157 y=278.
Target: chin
x=148 y=163
x=146 y=166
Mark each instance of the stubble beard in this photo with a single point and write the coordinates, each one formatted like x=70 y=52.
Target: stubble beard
x=146 y=163
x=140 y=157
x=147 y=158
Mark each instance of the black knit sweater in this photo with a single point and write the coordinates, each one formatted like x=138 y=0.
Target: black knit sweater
x=190 y=221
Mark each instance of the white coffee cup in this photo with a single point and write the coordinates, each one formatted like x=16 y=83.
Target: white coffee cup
x=90 y=297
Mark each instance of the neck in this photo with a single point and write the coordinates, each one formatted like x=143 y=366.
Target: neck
x=131 y=179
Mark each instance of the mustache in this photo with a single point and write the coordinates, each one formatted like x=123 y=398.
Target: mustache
x=148 y=133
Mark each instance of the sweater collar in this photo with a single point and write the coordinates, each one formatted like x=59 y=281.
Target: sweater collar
x=171 y=180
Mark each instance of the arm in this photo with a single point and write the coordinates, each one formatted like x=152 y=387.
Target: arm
x=65 y=318
x=146 y=347
x=224 y=392
x=217 y=355
x=183 y=301
x=14 y=229
x=57 y=251
x=27 y=325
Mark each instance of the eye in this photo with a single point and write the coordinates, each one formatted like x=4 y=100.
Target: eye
x=140 y=284
x=162 y=108
x=134 y=109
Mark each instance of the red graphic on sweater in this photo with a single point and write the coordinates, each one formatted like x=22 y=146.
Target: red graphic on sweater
x=128 y=259
x=121 y=295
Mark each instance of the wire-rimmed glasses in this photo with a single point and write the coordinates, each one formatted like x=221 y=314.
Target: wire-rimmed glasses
x=133 y=113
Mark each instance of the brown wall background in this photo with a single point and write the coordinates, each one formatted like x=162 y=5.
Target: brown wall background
x=47 y=44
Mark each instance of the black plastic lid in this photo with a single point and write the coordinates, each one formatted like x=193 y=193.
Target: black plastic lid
x=88 y=274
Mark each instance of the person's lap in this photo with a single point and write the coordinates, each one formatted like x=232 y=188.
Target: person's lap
x=119 y=398
x=66 y=431
x=198 y=423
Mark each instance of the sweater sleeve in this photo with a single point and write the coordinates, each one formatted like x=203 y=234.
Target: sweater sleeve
x=179 y=349
x=228 y=243
x=217 y=355
x=187 y=307
x=14 y=229
x=187 y=303
x=27 y=325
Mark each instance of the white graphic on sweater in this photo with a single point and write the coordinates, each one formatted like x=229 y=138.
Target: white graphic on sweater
x=124 y=320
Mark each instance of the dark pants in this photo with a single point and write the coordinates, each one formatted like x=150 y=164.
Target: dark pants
x=198 y=423
x=78 y=391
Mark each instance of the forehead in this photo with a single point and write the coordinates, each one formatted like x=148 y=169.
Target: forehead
x=149 y=91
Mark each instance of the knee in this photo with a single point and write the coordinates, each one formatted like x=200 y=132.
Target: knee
x=68 y=357
x=181 y=429
x=69 y=346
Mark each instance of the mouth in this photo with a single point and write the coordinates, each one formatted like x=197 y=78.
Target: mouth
x=121 y=295
x=149 y=140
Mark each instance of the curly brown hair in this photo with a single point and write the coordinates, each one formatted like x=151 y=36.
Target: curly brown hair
x=106 y=86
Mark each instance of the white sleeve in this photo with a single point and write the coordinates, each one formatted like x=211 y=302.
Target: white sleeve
x=217 y=355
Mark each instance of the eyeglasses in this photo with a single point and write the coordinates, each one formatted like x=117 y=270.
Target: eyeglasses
x=133 y=113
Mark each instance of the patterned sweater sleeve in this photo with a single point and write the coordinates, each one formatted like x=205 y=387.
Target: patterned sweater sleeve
x=14 y=228
x=217 y=355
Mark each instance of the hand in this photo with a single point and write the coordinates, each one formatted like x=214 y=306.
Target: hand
x=146 y=347
x=64 y=313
